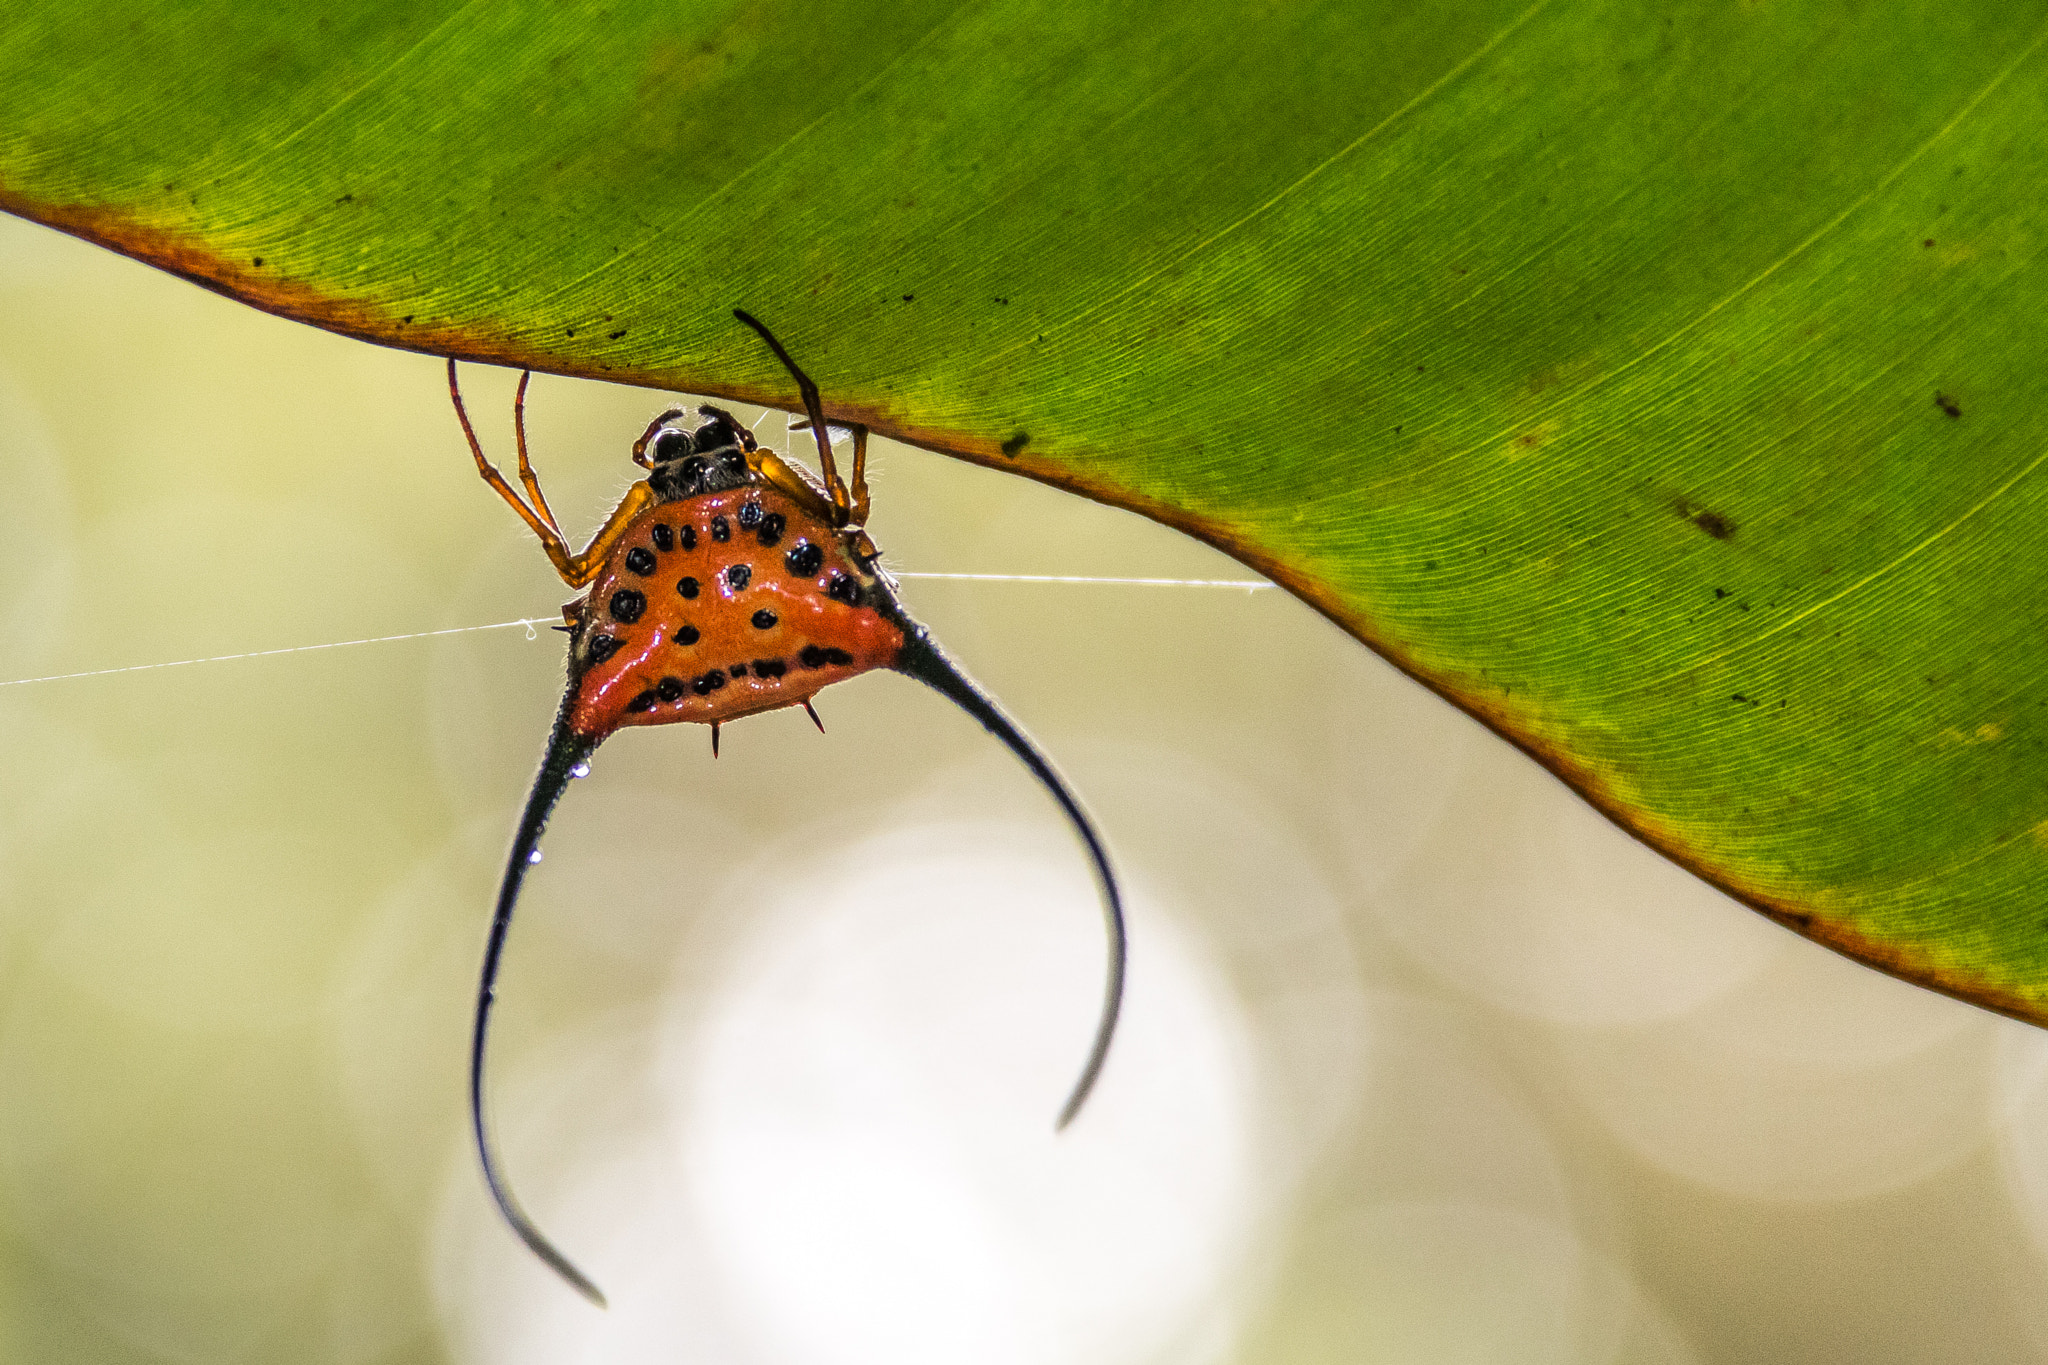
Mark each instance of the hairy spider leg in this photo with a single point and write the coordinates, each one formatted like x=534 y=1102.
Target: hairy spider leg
x=860 y=466
x=526 y=475
x=578 y=570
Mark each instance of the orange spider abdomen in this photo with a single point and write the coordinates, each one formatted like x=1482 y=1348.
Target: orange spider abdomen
x=719 y=605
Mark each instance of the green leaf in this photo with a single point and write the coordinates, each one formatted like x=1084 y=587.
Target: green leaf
x=1662 y=386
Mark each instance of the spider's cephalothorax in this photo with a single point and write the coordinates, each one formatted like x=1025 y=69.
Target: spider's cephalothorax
x=726 y=583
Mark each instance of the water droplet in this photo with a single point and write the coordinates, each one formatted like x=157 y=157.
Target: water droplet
x=580 y=770
x=534 y=856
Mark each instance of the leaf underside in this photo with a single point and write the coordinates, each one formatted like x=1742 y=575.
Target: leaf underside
x=1662 y=387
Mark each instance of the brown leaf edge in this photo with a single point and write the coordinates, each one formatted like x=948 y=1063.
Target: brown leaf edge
x=193 y=260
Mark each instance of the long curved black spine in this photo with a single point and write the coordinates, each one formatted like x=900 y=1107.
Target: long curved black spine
x=923 y=660
x=565 y=750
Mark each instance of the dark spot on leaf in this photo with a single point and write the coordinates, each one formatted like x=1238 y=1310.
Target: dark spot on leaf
x=908 y=297
x=1720 y=593
x=258 y=260
x=1928 y=242
x=1948 y=405
x=1015 y=445
x=1713 y=523
x=616 y=335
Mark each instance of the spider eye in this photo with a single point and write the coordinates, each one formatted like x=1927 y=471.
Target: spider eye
x=670 y=444
x=694 y=469
x=735 y=461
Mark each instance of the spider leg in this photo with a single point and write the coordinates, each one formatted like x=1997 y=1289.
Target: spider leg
x=576 y=569
x=526 y=475
x=541 y=525
x=640 y=446
x=860 y=476
x=842 y=503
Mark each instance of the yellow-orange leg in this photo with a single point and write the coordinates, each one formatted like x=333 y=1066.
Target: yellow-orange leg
x=854 y=502
x=526 y=476
x=860 y=477
x=577 y=570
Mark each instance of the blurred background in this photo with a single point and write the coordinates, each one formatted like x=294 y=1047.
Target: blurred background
x=1423 y=1061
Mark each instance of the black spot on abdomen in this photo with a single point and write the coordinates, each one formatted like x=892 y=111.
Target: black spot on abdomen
x=764 y=619
x=804 y=559
x=820 y=656
x=738 y=576
x=627 y=604
x=770 y=668
x=664 y=537
x=640 y=560
x=602 y=647
x=687 y=587
x=844 y=588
